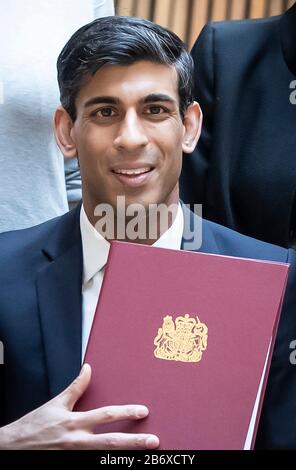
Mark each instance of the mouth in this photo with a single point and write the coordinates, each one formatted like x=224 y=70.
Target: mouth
x=133 y=177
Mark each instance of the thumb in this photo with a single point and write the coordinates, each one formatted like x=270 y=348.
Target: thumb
x=77 y=388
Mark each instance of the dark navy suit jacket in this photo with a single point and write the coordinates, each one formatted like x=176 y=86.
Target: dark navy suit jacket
x=40 y=319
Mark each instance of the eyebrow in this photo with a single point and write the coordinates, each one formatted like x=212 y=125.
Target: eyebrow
x=151 y=98
x=158 y=97
x=101 y=99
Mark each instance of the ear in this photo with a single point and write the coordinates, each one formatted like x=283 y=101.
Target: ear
x=192 y=127
x=63 y=125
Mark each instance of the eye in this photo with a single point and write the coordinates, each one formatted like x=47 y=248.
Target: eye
x=156 y=109
x=105 y=112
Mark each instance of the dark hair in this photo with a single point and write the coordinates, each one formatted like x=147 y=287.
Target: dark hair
x=121 y=40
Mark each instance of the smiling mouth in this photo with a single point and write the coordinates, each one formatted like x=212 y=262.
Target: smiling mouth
x=133 y=176
x=133 y=172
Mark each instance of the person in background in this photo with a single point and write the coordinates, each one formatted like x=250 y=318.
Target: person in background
x=32 y=178
x=243 y=170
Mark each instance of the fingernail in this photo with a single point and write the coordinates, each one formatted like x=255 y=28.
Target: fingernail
x=81 y=370
x=152 y=442
x=142 y=412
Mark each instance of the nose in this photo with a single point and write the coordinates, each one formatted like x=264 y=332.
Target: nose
x=131 y=134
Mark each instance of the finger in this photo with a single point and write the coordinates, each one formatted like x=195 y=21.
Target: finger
x=76 y=389
x=122 y=441
x=111 y=414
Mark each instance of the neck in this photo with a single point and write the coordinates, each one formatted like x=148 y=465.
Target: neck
x=136 y=224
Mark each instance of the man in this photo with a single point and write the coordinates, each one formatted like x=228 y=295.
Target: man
x=243 y=169
x=127 y=112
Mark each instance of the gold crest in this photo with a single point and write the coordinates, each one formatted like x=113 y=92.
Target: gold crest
x=183 y=340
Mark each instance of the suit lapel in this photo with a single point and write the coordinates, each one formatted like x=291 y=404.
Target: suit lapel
x=197 y=233
x=59 y=295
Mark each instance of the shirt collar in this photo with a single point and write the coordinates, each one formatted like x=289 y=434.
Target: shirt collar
x=172 y=238
x=95 y=247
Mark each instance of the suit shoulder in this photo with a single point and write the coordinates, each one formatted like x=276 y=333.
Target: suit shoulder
x=15 y=242
x=240 y=27
x=222 y=34
x=222 y=44
x=232 y=243
x=55 y=236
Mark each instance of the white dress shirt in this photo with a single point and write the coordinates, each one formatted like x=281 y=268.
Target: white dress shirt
x=95 y=249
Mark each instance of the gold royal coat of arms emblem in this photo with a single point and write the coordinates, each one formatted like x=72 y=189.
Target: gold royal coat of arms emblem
x=183 y=340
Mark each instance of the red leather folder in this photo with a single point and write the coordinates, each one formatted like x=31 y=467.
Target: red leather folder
x=191 y=336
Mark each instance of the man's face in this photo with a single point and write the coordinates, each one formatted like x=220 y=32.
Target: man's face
x=128 y=135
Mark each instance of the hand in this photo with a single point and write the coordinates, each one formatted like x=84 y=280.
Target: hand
x=55 y=426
